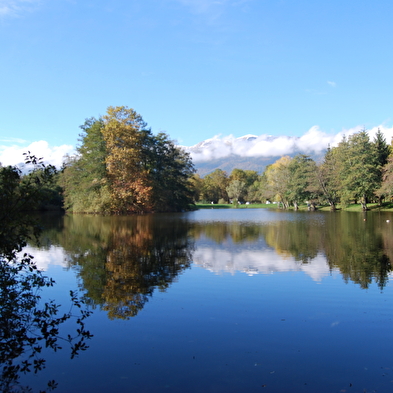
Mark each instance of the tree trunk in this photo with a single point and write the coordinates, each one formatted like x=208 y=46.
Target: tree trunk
x=332 y=207
x=363 y=202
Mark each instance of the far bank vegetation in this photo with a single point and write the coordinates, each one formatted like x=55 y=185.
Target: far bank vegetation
x=121 y=167
x=357 y=171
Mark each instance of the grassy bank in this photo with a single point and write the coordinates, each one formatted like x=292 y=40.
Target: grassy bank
x=228 y=206
x=387 y=206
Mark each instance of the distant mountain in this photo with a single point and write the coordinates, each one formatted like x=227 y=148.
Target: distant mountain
x=233 y=161
x=248 y=152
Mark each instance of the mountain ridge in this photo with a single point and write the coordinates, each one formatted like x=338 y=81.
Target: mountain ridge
x=248 y=152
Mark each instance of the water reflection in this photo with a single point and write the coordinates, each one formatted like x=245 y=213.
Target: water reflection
x=32 y=326
x=122 y=260
x=357 y=245
x=240 y=333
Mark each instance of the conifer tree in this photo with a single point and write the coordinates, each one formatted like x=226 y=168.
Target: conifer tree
x=358 y=168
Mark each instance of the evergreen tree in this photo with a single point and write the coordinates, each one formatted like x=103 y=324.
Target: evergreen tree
x=383 y=150
x=359 y=168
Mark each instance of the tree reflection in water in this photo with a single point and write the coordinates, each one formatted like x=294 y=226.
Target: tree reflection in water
x=361 y=248
x=122 y=260
x=29 y=325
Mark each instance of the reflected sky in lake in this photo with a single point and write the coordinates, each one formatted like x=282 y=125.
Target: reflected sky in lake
x=226 y=301
x=222 y=260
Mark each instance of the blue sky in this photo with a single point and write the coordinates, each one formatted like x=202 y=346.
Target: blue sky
x=193 y=68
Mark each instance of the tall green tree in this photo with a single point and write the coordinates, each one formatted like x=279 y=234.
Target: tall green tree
x=383 y=151
x=359 y=168
x=302 y=169
x=256 y=191
x=169 y=169
x=327 y=178
x=247 y=177
x=236 y=189
x=84 y=177
x=278 y=177
x=214 y=186
x=196 y=184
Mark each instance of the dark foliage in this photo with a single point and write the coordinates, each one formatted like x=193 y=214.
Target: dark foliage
x=27 y=325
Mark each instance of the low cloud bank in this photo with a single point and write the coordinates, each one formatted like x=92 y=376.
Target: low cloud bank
x=314 y=141
x=54 y=155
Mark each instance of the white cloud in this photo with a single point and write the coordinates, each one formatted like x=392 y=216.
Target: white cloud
x=252 y=262
x=16 y=7
x=44 y=258
x=13 y=155
x=314 y=141
x=333 y=84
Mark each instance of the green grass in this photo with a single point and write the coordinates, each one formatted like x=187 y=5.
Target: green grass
x=210 y=206
x=387 y=206
x=229 y=206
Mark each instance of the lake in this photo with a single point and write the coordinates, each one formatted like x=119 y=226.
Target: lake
x=247 y=300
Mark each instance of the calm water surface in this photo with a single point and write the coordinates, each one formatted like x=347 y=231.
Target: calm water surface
x=225 y=301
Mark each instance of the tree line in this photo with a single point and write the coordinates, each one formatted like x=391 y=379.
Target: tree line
x=358 y=170
x=121 y=167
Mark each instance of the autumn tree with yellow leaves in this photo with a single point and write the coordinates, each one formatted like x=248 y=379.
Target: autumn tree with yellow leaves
x=122 y=168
